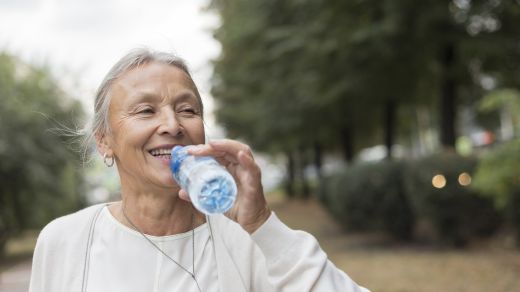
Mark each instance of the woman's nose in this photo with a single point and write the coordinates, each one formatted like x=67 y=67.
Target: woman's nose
x=169 y=124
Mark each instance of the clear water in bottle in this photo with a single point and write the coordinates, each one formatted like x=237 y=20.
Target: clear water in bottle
x=211 y=187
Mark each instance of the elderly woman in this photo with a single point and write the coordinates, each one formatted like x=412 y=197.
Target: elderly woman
x=154 y=239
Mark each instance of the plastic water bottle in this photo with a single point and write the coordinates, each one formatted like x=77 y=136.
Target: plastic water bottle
x=211 y=187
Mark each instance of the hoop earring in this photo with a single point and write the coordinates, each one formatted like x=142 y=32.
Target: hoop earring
x=108 y=160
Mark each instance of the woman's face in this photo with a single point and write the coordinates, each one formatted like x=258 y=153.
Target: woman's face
x=153 y=108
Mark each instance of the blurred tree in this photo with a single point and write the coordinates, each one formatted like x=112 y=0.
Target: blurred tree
x=272 y=80
x=466 y=41
x=335 y=74
x=507 y=103
x=498 y=176
x=440 y=50
x=255 y=85
x=40 y=174
x=498 y=173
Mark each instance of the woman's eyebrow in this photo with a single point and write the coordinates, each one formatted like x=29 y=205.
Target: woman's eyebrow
x=187 y=95
x=146 y=97
x=141 y=97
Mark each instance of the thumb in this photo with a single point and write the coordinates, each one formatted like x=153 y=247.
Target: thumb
x=184 y=195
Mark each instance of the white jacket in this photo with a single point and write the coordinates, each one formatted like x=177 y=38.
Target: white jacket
x=274 y=258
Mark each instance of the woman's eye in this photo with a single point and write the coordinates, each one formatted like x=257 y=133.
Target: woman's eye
x=145 y=111
x=188 y=110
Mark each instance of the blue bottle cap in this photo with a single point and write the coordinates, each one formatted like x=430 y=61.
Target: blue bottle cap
x=178 y=155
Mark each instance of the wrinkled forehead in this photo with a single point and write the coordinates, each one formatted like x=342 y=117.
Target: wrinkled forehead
x=154 y=79
x=157 y=74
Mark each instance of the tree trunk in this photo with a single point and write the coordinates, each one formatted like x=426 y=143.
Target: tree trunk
x=289 y=186
x=347 y=142
x=19 y=218
x=389 y=126
x=305 y=189
x=318 y=160
x=448 y=102
x=3 y=242
x=4 y=221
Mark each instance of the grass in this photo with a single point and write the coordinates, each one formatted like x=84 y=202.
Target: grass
x=385 y=266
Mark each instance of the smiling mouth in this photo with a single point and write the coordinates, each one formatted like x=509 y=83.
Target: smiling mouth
x=161 y=153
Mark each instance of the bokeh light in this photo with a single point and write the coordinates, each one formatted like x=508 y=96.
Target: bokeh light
x=439 y=181
x=464 y=179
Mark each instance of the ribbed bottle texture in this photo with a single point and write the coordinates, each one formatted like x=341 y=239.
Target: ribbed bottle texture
x=211 y=187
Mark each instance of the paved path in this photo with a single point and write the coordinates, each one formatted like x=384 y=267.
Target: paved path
x=16 y=278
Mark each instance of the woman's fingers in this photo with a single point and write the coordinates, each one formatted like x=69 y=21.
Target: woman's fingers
x=225 y=151
x=230 y=146
x=204 y=150
x=224 y=145
x=246 y=159
x=250 y=209
x=184 y=195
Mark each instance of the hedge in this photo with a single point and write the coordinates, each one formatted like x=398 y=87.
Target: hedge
x=398 y=198
x=370 y=197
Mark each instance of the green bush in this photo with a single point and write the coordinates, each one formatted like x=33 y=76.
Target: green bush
x=370 y=197
x=513 y=214
x=400 y=199
x=498 y=176
x=454 y=213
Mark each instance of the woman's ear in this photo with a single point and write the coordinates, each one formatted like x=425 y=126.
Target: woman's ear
x=103 y=145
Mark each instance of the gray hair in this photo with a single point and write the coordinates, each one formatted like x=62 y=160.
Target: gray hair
x=133 y=59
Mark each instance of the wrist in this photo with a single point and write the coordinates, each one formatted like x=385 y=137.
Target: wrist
x=260 y=219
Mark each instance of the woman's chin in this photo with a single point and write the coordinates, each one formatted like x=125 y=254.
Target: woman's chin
x=171 y=184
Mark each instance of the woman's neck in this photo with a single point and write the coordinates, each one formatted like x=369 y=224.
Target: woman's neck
x=156 y=214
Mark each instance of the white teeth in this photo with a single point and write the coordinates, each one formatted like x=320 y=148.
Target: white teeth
x=157 y=152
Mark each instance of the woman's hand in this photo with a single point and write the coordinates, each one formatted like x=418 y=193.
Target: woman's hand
x=250 y=209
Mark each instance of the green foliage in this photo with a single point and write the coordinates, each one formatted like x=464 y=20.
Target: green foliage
x=297 y=73
x=507 y=102
x=502 y=98
x=292 y=73
x=455 y=213
x=498 y=176
x=513 y=212
x=399 y=198
x=371 y=197
x=498 y=173
x=274 y=76
x=40 y=174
